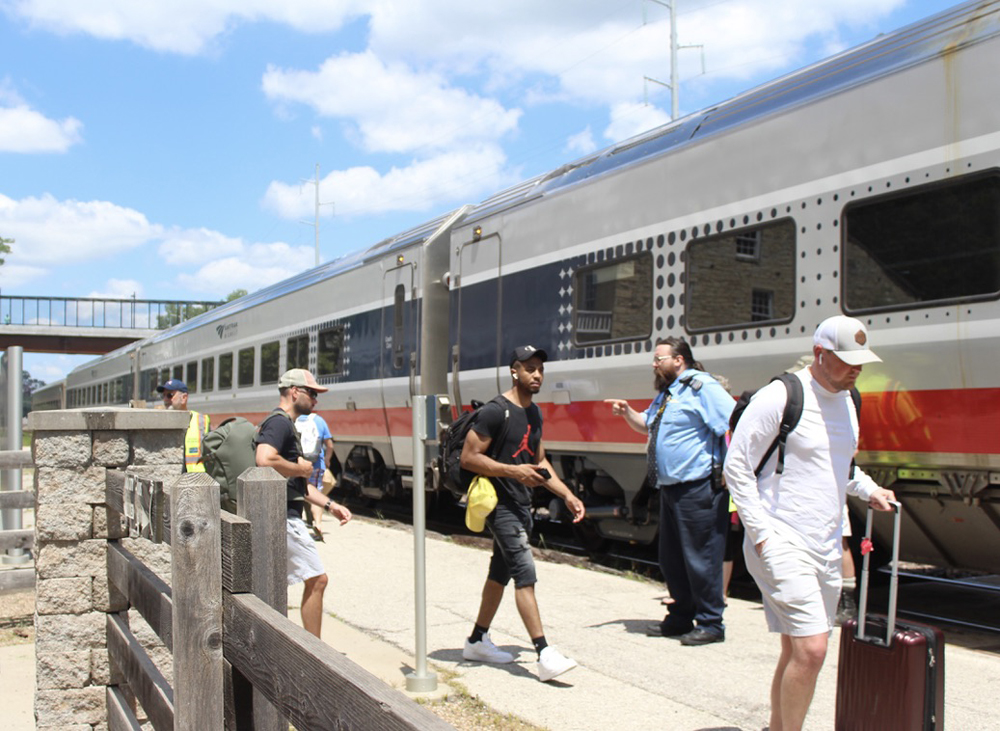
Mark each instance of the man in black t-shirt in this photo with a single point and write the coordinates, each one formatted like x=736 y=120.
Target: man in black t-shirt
x=517 y=466
x=277 y=446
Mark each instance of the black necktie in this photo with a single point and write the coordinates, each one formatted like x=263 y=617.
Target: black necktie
x=654 y=429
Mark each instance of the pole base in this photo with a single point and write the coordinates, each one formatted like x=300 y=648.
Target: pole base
x=425 y=683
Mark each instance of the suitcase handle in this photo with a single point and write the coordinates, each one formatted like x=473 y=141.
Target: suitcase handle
x=893 y=579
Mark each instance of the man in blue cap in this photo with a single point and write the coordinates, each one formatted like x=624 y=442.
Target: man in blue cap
x=175 y=396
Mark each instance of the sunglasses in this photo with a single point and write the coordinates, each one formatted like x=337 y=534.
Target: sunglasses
x=313 y=394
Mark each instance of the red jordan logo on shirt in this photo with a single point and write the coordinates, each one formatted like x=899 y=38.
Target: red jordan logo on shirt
x=523 y=446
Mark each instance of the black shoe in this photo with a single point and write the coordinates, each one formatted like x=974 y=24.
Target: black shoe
x=668 y=629
x=701 y=636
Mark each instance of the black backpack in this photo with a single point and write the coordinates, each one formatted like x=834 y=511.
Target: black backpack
x=451 y=442
x=789 y=418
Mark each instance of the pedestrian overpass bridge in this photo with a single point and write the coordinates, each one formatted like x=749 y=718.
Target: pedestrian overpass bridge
x=87 y=325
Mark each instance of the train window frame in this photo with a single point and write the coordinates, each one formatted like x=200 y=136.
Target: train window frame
x=270 y=361
x=246 y=356
x=191 y=371
x=208 y=374
x=339 y=330
x=294 y=344
x=226 y=360
x=789 y=282
x=579 y=290
x=847 y=249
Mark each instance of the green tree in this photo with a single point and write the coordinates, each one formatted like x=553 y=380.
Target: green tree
x=28 y=386
x=4 y=247
x=235 y=294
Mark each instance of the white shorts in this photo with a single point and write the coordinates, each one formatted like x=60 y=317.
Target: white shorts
x=846 y=527
x=303 y=559
x=800 y=591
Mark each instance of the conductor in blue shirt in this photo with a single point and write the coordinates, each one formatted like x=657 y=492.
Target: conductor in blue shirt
x=686 y=424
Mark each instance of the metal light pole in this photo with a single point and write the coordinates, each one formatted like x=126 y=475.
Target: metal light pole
x=11 y=479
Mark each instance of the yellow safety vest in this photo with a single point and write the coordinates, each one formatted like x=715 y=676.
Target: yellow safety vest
x=192 y=442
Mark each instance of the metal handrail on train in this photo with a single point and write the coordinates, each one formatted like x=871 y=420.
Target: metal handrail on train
x=130 y=313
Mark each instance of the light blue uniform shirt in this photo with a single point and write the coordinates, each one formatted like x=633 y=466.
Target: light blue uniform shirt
x=692 y=423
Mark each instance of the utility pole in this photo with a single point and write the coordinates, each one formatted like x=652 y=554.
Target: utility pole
x=674 y=84
x=315 y=222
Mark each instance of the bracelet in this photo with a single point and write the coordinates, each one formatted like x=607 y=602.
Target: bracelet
x=328 y=504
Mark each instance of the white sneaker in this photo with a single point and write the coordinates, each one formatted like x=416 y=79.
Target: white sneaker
x=552 y=663
x=485 y=651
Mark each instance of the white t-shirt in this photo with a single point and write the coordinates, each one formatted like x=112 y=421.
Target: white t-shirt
x=805 y=503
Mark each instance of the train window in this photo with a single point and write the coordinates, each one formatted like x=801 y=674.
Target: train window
x=148 y=382
x=245 y=375
x=269 y=365
x=939 y=244
x=329 y=352
x=613 y=300
x=207 y=374
x=179 y=372
x=298 y=352
x=192 y=376
x=742 y=277
x=164 y=375
x=398 y=344
x=225 y=371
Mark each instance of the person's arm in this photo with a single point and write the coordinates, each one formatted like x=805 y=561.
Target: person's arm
x=267 y=456
x=635 y=419
x=560 y=488
x=474 y=459
x=338 y=511
x=327 y=452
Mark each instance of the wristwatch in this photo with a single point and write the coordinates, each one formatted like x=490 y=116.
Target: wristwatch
x=326 y=507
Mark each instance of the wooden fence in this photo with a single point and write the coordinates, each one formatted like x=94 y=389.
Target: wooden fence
x=21 y=578
x=238 y=661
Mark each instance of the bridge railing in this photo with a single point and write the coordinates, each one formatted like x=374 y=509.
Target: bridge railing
x=97 y=312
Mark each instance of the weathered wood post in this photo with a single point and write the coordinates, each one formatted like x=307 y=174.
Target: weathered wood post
x=261 y=499
x=196 y=585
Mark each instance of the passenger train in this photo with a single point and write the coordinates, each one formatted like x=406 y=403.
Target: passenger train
x=866 y=184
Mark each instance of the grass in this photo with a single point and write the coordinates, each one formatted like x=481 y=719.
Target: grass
x=466 y=712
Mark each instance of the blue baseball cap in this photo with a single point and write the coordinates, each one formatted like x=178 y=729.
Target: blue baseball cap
x=173 y=385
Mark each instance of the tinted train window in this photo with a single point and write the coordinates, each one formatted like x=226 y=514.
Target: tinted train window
x=207 y=374
x=179 y=372
x=164 y=375
x=192 y=376
x=226 y=370
x=269 y=362
x=246 y=367
x=613 y=301
x=329 y=352
x=740 y=278
x=938 y=244
x=298 y=352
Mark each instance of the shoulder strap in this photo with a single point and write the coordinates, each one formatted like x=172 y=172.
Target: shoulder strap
x=502 y=436
x=856 y=398
x=789 y=420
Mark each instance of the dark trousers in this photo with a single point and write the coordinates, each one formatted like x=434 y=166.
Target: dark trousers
x=693 y=524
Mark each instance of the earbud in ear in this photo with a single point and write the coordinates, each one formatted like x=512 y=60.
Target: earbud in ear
x=821 y=359
x=513 y=375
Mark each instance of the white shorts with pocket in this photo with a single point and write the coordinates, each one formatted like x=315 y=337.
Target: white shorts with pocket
x=303 y=560
x=800 y=591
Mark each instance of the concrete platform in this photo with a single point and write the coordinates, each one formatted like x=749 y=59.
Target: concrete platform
x=626 y=680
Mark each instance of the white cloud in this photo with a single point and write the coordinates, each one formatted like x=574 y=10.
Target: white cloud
x=24 y=130
x=119 y=289
x=178 y=26
x=628 y=120
x=182 y=247
x=417 y=187
x=582 y=143
x=257 y=265
x=393 y=107
x=50 y=232
x=14 y=275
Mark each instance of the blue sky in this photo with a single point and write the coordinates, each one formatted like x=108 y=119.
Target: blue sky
x=159 y=147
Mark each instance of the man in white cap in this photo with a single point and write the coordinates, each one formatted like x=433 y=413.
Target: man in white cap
x=793 y=518
x=277 y=445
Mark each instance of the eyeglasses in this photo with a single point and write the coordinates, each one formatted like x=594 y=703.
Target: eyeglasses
x=313 y=394
x=657 y=359
x=167 y=395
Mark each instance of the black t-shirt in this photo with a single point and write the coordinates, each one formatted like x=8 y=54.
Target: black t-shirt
x=279 y=432
x=521 y=437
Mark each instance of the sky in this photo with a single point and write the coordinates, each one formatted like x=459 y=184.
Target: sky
x=168 y=149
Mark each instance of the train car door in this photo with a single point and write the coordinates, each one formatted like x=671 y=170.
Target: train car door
x=476 y=354
x=399 y=358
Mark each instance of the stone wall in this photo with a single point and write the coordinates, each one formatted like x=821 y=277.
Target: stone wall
x=73 y=451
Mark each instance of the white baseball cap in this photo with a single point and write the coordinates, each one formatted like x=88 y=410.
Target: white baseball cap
x=847 y=338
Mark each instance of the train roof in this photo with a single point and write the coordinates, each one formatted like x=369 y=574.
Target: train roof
x=917 y=43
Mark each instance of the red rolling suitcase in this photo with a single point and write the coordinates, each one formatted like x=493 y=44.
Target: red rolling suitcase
x=894 y=684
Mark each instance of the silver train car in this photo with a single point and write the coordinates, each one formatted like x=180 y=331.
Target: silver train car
x=867 y=184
